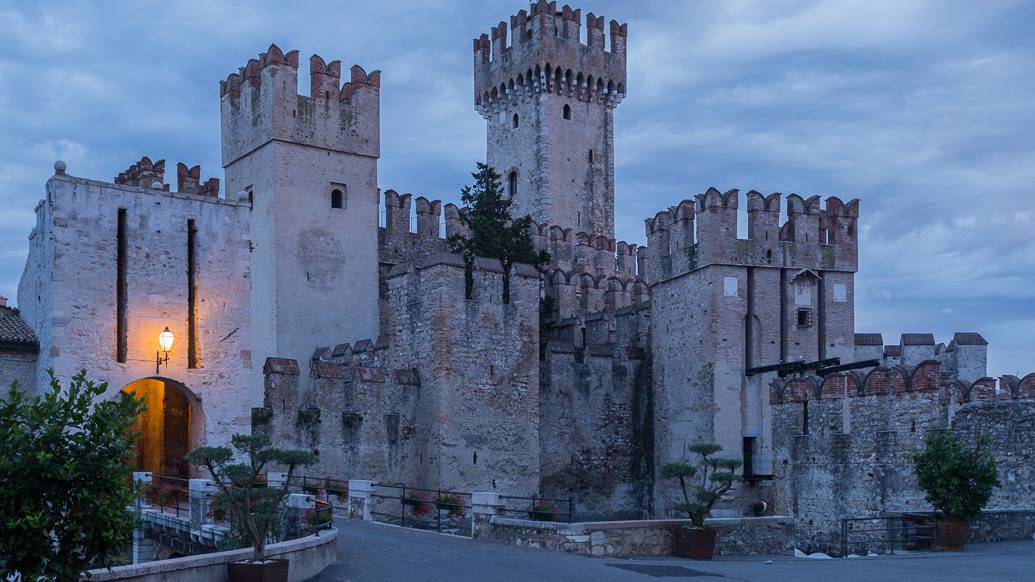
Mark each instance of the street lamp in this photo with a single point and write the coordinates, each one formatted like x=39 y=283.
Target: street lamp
x=165 y=342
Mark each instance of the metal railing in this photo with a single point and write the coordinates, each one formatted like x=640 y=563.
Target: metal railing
x=169 y=494
x=437 y=510
x=910 y=531
x=335 y=492
x=539 y=508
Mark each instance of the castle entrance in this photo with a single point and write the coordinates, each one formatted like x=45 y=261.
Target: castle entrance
x=168 y=428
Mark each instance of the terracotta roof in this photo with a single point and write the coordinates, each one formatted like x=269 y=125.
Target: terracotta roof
x=869 y=339
x=963 y=338
x=918 y=339
x=893 y=351
x=13 y=330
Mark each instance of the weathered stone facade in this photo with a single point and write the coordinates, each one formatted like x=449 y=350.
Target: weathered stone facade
x=297 y=315
x=843 y=445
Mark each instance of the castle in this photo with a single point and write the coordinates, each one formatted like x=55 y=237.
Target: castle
x=297 y=315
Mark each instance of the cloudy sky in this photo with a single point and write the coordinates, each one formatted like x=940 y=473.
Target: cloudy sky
x=923 y=109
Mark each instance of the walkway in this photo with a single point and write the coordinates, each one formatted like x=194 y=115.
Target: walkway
x=370 y=552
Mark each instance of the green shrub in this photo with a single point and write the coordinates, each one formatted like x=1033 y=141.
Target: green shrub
x=717 y=476
x=957 y=480
x=64 y=467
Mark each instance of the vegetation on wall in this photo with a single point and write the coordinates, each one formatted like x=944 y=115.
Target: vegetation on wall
x=492 y=231
x=65 y=479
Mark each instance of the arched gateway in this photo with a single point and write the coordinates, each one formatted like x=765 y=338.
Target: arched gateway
x=170 y=426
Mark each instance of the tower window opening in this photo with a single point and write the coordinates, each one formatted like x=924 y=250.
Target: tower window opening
x=804 y=318
x=567 y=111
x=515 y=120
x=512 y=184
x=591 y=156
x=337 y=198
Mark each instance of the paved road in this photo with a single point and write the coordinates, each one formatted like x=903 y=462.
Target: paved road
x=370 y=552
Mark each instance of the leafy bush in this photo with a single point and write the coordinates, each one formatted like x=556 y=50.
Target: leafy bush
x=717 y=476
x=253 y=507
x=957 y=480
x=64 y=462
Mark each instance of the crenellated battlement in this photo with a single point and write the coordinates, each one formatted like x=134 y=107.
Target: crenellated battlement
x=902 y=381
x=547 y=52
x=703 y=230
x=145 y=174
x=260 y=102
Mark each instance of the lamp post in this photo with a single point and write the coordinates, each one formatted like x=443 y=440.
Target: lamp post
x=165 y=343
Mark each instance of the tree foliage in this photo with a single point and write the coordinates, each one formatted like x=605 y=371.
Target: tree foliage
x=957 y=480
x=253 y=507
x=716 y=477
x=65 y=479
x=492 y=231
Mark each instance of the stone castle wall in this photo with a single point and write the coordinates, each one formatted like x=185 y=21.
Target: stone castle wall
x=843 y=445
x=68 y=293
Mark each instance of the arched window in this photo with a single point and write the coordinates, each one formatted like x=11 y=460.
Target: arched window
x=337 y=198
x=567 y=111
x=512 y=184
x=515 y=120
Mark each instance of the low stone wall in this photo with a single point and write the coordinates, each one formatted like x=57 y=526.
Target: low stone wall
x=749 y=535
x=1002 y=526
x=308 y=557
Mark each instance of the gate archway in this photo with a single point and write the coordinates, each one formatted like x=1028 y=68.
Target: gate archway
x=170 y=426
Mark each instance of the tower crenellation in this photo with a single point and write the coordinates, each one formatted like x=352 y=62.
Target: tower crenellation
x=548 y=97
x=260 y=102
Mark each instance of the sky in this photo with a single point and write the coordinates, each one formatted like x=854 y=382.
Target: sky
x=925 y=110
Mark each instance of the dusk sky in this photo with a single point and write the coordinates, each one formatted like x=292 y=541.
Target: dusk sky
x=923 y=110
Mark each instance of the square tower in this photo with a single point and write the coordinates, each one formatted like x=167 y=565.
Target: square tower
x=548 y=99
x=308 y=165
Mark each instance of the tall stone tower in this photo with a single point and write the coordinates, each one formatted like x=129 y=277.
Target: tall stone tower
x=309 y=167
x=721 y=304
x=548 y=99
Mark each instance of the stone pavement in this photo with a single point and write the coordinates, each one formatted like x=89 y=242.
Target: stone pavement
x=371 y=552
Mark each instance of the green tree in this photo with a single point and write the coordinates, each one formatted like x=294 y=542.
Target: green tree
x=65 y=479
x=253 y=507
x=957 y=480
x=717 y=476
x=493 y=232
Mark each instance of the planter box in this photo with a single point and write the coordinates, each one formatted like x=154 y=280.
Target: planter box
x=694 y=543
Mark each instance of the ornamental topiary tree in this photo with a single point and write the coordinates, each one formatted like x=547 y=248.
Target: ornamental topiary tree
x=65 y=479
x=716 y=478
x=253 y=507
x=493 y=232
x=956 y=479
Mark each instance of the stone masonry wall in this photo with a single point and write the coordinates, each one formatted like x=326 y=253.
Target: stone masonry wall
x=595 y=417
x=68 y=293
x=843 y=445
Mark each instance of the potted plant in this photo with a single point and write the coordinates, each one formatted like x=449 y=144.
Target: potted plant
x=958 y=481
x=716 y=477
x=451 y=503
x=253 y=508
x=543 y=511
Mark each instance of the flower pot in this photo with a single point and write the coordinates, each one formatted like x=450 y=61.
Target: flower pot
x=950 y=534
x=268 y=571
x=693 y=542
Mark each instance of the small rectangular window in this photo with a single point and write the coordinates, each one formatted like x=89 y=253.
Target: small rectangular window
x=804 y=318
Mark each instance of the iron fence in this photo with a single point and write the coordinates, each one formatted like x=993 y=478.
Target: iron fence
x=539 y=508
x=910 y=531
x=335 y=492
x=169 y=494
x=438 y=510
